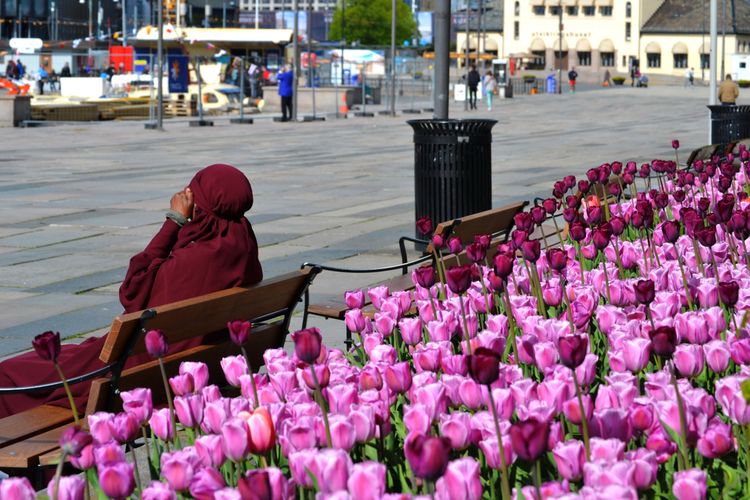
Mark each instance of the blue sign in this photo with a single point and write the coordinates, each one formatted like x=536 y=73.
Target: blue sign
x=179 y=76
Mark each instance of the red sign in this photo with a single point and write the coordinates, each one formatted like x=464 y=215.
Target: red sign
x=121 y=58
x=308 y=56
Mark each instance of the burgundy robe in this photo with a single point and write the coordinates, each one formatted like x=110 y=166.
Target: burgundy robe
x=214 y=251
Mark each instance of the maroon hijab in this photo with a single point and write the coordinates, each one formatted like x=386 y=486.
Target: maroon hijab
x=216 y=250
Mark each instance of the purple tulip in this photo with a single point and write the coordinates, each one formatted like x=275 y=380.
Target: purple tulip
x=367 y=481
x=239 y=331
x=427 y=455
x=73 y=440
x=458 y=278
x=573 y=349
x=689 y=484
x=425 y=276
x=109 y=453
x=307 y=344
x=138 y=403
x=570 y=457
x=70 y=488
x=124 y=427
x=531 y=250
x=529 y=438
x=454 y=245
x=729 y=292
x=116 y=479
x=156 y=343
x=461 y=481
x=158 y=491
x=557 y=259
x=644 y=291
x=663 y=341
x=484 y=365
x=47 y=345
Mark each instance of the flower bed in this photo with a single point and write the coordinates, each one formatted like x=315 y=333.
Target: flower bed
x=611 y=366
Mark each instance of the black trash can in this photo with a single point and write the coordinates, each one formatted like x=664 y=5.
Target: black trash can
x=729 y=123
x=452 y=168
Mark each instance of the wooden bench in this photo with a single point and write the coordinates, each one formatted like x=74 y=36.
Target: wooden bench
x=497 y=222
x=29 y=440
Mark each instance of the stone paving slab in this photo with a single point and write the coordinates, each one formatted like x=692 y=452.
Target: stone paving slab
x=339 y=192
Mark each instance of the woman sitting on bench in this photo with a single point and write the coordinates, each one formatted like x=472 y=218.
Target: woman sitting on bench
x=205 y=245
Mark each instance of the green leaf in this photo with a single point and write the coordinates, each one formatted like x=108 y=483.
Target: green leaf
x=674 y=435
x=314 y=479
x=746 y=390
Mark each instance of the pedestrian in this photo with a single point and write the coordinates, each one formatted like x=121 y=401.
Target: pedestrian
x=65 y=72
x=286 y=91
x=54 y=81
x=691 y=77
x=20 y=70
x=41 y=78
x=490 y=87
x=728 y=91
x=607 y=81
x=572 y=76
x=633 y=71
x=473 y=81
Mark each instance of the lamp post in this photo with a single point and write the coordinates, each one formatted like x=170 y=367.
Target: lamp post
x=393 y=58
x=343 y=40
x=466 y=51
x=442 y=57
x=295 y=50
x=160 y=67
x=124 y=23
x=559 y=50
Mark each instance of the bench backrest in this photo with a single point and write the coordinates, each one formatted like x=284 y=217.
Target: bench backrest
x=492 y=222
x=269 y=305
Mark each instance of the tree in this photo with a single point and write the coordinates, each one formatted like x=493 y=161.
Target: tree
x=368 y=22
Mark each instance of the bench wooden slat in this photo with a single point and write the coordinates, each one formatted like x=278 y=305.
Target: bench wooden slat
x=187 y=318
x=30 y=422
x=26 y=453
x=487 y=222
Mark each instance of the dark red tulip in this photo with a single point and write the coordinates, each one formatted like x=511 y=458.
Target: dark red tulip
x=528 y=438
x=631 y=167
x=73 y=440
x=577 y=232
x=503 y=264
x=427 y=455
x=628 y=179
x=570 y=181
x=531 y=250
x=523 y=221
x=601 y=236
x=583 y=186
x=616 y=167
x=679 y=196
x=483 y=239
x=497 y=283
x=595 y=215
x=484 y=365
x=517 y=237
x=703 y=205
x=617 y=225
x=307 y=344
x=476 y=252
x=570 y=215
x=557 y=259
x=613 y=188
x=724 y=184
x=592 y=175
x=239 y=331
x=661 y=200
x=671 y=230
x=725 y=209
x=706 y=236
x=156 y=343
x=47 y=345
x=425 y=276
x=737 y=222
x=675 y=144
x=663 y=341
x=454 y=245
x=458 y=278
x=550 y=205
x=572 y=201
x=538 y=214
x=255 y=485
x=729 y=292
x=644 y=291
x=573 y=349
x=644 y=171
x=424 y=226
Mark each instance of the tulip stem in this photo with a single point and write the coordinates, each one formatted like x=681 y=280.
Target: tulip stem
x=617 y=257
x=441 y=272
x=683 y=422
x=538 y=479
x=135 y=467
x=580 y=259
x=67 y=391
x=503 y=465
x=466 y=327
x=486 y=298
x=716 y=275
x=567 y=305
x=606 y=278
x=323 y=407
x=58 y=473
x=559 y=233
x=747 y=455
x=511 y=327
x=170 y=403
x=684 y=279
x=584 y=420
x=256 y=401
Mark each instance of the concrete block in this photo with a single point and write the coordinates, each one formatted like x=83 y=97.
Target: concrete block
x=14 y=109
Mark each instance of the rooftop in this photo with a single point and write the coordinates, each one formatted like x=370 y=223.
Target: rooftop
x=693 y=16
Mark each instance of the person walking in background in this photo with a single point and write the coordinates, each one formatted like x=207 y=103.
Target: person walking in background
x=41 y=77
x=633 y=71
x=490 y=87
x=572 y=76
x=10 y=70
x=607 y=80
x=65 y=72
x=286 y=90
x=728 y=91
x=691 y=77
x=472 y=81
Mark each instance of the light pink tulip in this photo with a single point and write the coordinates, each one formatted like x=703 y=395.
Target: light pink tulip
x=570 y=457
x=234 y=367
x=199 y=372
x=69 y=488
x=138 y=403
x=689 y=485
x=461 y=481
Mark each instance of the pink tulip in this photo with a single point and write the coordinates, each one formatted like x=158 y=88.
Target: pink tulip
x=85 y=459
x=354 y=299
x=354 y=320
x=609 y=450
x=330 y=467
x=182 y=384
x=116 y=479
x=433 y=397
x=717 y=355
x=362 y=417
x=636 y=352
x=569 y=457
x=138 y=403
x=234 y=367
x=199 y=372
x=384 y=354
x=189 y=410
x=572 y=409
x=461 y=481
x=689 y=485
x=124 y=427
x=158 y=491
x=545 y=355
x=688 y=358
x=717 y=440
x=99 y=426
x=108 y=453
x=611 y=423
x=491 y=451
x=384 y=323
x=646 y=467
x=456 y=427
x=601 y=474
x=417 y=419
x=377 y=295
x=69 y=488
x=161 y=424
x=554 y=393
x=210 y=450
x=411 y=330
x=205 y=483
x=343 y=433
x=283 y=383
x=398 y=377
x=469 y=393
x=587 y=371
x=367 y=481
x=504 y=403
x=177 y=470
x=692 y=327
x=261 y=432
x=227 y=494
x=214 y=415
x=641 y=414
x=17 y=488
x=341 y=398
x=708 y=294
x=454 y=364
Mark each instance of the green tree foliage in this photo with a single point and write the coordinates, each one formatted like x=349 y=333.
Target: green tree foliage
x=369 y=22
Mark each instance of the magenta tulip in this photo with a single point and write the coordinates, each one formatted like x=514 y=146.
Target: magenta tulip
x=205 y=483
x=17 y=488
x=182 y=384
x=69 y=488
x=458 y=278
x=424 y=226
x=124 y=427
x=427 y=455
x=529 y=438
x=47 y=345
x=239 y=331
x=307 y=344
x=156 y=343
x=73 y=440
x=116 y=479
x=234 y=435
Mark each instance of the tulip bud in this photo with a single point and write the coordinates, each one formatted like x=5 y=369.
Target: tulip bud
x=644 y=291
x=458 y=278
x=531 y=250
x=454 y=245
x=47 y=345
x=503 y=265
x=484 y=365
x=528 y=438
x=425 y=276
x=307 y=344
x=729 y=292
x=663 y=341
x=557 y=259
x=427 y=455
x=239 y=331
x=156 y=343
x=116 y=479
x=573 y=349
x=424 y=226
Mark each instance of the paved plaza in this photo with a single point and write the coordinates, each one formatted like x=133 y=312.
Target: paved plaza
x=78 y=200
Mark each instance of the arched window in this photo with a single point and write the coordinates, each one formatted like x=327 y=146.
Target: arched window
x=628 y=9
x=517 y=8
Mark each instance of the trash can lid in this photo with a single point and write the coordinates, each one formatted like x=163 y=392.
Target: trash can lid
x=452 y=127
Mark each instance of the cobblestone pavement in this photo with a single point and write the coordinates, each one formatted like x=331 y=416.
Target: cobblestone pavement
x=77 y=200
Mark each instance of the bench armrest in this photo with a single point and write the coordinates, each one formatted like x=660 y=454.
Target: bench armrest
x=56 y=385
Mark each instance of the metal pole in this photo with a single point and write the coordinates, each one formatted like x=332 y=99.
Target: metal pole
x=160 y=71
x=714 y=45
x=393 y=58
x=723 y=35
x=124 y=24
x=91 y=18
x=178 y=11
x=703 y=42
x=343 y=39
x=242 y=87
x=257 y=8
x=560 y=51
x=310 y=69
x=295 y=64
x=200 y=89
x=466 y=52
x=442 y=57
x=479 y=34
x=224 y=14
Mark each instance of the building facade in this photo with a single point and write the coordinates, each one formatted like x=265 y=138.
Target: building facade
x=277 y=5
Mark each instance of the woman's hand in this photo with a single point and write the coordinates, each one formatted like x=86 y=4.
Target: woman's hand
x=182 y=202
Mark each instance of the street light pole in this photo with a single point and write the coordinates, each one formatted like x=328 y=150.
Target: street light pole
x=442 y=58
x=124 y=24
x=560 y=51
x=295 y=50
x=393 y=58
x=343 y=40
x=466 y=51
x=160 y=68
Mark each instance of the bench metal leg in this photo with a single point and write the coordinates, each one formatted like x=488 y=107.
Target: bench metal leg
x=348 y=342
